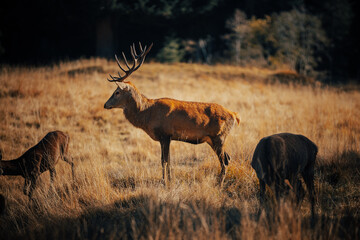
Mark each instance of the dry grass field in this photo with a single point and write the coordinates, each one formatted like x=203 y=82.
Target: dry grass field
x=118 y=193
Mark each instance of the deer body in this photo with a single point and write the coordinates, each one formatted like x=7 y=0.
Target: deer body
x=38 y=159
x=192 y=122
x=168 y=119
x=285 y=156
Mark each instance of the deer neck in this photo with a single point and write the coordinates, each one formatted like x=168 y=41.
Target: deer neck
x=11 y=167
x=136 y=108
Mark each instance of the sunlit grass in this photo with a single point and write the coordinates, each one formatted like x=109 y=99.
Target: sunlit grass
x=118 y=190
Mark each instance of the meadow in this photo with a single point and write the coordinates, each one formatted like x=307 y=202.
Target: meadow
x=117 y=192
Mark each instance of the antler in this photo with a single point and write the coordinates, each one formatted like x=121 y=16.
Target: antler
x=137 y=59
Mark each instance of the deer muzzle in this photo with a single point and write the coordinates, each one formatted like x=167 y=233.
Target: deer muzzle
x=107 y=107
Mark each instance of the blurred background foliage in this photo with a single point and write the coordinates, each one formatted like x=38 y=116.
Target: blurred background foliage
x=316 y=38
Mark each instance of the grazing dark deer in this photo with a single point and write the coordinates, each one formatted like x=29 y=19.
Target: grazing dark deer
x=168 y=119
x=285 y=156
x=38 y=159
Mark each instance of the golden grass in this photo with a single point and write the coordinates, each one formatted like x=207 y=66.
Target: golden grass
x=118 y=192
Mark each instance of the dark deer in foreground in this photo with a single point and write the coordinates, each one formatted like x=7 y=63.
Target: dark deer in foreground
x=285 y=156
x=168 y=119
x=38 y=159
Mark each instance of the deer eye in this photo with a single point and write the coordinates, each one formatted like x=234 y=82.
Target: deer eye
x=117 y=93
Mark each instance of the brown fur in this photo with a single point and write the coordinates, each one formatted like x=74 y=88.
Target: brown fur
x=285 y=156
x=38 y=159
x=168 y=119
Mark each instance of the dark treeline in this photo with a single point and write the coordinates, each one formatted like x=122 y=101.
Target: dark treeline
x=323 y=35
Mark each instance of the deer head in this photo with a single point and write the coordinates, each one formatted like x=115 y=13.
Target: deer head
x=124 y=90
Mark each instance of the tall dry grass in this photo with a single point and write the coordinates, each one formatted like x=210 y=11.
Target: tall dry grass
x=118 y=193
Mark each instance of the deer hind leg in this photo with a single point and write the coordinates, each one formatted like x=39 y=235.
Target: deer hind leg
x=224 y=158
x=33 y=181
x=277 y=188
x=165 y=159
x=308 y=176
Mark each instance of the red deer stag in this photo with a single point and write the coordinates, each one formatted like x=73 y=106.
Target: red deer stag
x=285 y=156
x=168 y=119
x=38 y=159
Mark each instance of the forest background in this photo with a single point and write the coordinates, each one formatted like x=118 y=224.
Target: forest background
x=319 y=39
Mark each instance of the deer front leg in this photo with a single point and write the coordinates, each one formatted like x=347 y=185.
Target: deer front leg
x=277 y=186
x=222 y=174
x=165 y=158
x=262 y=192
x=261 y=196
x=72 y=166
x=31 y=177
x=52 y=176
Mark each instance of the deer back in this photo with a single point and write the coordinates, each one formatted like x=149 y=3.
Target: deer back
x=45 y=154
x=282 y=154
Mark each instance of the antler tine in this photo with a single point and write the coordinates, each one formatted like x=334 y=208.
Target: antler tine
x=143 y=55
x=148 y=50
x=135 y=57
x=143 y=52
x=118 y=63
x=126 y=63
x=114 y=79
x=134 y=51
x=142 y=59
x=141 y=49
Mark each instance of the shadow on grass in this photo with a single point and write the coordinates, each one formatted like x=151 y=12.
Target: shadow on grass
x=338 y=180
x=137 y=217
x=145 y=216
